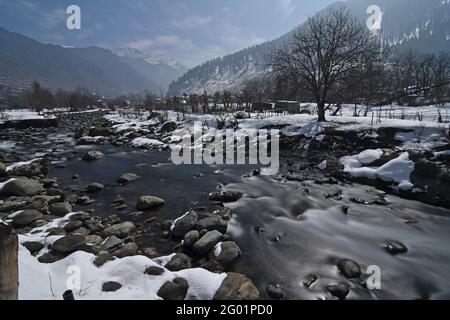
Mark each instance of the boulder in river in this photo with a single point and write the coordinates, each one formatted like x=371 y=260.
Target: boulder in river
x=396 y=247
x=340 y=290
x=236 y=286
x=60 y=209
x=225 y=196
x=121 y=230
x=190 y=238
x=127 y=178
x=22 y=187
x=275 y=291
x=33 y=246
x=349 y=268
x=184 y=224
x=93 y=155
x=128 y=250
x=145 y=203
x=207 y=242
x=227 y=253
x=95 y=187
x=179 y=262
x=26 y=217
x=212 y=223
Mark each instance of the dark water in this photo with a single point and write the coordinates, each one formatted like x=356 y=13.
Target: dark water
x=311 y=230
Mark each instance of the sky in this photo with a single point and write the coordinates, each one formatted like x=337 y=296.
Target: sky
x=190 y=31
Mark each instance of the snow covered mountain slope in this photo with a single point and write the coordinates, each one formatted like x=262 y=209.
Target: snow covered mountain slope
x=156 y=67
x=423 y=25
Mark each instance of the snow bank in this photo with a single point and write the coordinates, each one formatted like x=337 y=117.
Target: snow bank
x=397 y=170
x=310 y=130
x=77 y=272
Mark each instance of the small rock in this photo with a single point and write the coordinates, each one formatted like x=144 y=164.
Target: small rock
x=93 y=225
x=93 y=156
x=190 y=238
x=236 y=286
x=128 y=250
x=95 y=187
x=174 y=290
x=396 y=247
x=310 y=280
x=178 y=262
x=81 y=216
x=127 y=178
x=212 y=223
x=275 y=292
x=340 y=290
x=168 y=127
x=121 y=230
x=225 y=196
x=72 y=226
x=149 y=203
x=183 y=225
x=151 y=253
x=102 y=258
x=47 y=258
x=26 y=218
x=94 y=240
x=60 y=209
x=349 y=268
x=111 y=286
x=229 y=253
x=69 y=243
x=111 y=243
x=33 y=246
x=207 y=242
x=154 y=271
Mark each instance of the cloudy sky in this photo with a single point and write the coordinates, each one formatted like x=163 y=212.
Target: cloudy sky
x=190 y=31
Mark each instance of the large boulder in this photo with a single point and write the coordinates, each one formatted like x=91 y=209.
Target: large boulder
x=26 y=217
x=183 y=225
x=227 y=253
x=174 y=290
x=121 y=230
x=179 y=262
x=225 y=196
x=207 y=242
x=60 y=209
x=236 y=286
x=349 y=268
x=69 y=243
x=145 y=203
x=22 y=187
x=93 y=155
x=212 y=223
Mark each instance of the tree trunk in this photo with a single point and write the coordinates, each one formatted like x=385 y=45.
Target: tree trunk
x=9 y=267
x=321 y=111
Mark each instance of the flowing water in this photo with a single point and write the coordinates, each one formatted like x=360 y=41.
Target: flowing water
x=286 y=230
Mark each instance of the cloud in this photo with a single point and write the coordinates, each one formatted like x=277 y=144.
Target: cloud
x=160 y=41
x=288 y=6
x=191 y=22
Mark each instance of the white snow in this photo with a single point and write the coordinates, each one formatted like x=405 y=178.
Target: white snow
x=49 y=281
x=145 y=142
x=397 y=170
x=218 y=249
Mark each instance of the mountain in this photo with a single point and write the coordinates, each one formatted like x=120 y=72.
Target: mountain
x=156 y=67
x=23 y=59
x=423 y=25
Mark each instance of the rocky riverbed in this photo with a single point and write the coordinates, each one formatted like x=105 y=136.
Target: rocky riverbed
x=107 y=188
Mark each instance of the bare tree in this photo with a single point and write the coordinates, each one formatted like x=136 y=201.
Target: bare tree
x=324 y=52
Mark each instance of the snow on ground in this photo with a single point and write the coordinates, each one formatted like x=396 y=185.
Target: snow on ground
x=397 y=170
x=49 y=281
x=145 y=142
